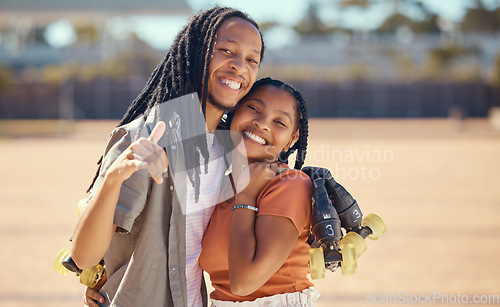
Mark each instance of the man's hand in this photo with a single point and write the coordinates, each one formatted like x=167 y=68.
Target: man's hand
x=92 y=295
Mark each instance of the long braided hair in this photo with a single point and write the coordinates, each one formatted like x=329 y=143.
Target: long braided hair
x=185 y=70
x=302 y=120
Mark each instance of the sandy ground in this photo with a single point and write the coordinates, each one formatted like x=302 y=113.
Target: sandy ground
x=436 y=183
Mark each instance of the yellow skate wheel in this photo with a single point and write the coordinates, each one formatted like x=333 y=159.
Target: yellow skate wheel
x=90 y=277
x=82 y=204
x=58 y=266
x=317 y=263
x=376 y=224
x=349 y=263
x=357 y=241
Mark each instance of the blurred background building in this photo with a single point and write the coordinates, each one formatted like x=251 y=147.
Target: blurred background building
x=350 y=58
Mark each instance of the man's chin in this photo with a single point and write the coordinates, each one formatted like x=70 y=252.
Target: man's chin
x=221 y=106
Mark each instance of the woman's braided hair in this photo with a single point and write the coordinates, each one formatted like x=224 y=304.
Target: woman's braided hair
x=302 y=120
x=185 y=70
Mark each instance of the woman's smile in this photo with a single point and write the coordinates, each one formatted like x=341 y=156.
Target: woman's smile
x=267 y=121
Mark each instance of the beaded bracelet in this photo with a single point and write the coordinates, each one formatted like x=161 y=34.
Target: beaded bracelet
x=246 y=207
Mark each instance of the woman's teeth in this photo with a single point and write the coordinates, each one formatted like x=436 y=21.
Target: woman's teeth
x=255 y=138
x=232 y=84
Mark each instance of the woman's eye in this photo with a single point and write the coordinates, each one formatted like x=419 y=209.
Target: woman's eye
x=279 y=122
x=253 y=108
x=226 y=51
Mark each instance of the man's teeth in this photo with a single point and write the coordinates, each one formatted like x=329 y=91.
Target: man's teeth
x=255 y=138
x=232 y=84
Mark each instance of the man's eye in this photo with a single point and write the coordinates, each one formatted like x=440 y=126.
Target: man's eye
x=253 y=61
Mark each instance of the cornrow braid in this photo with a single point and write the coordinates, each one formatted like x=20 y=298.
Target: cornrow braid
x=185 y=70
x=301 y=144
x=302 y=120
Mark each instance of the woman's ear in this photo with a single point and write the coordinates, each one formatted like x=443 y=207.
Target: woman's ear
x=293 y=139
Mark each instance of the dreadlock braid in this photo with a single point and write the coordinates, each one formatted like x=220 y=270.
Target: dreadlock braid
x=302 y=120
x=301 y=144
x=185 y=70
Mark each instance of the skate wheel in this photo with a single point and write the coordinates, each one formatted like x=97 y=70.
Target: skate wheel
x=58 y=266
x=90 y=277
x=82 y=204
x=317 y=263
x=376 y=224
x=357 y=241
x=349 y=263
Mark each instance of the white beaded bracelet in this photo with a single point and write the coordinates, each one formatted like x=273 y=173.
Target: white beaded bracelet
x=246 y=207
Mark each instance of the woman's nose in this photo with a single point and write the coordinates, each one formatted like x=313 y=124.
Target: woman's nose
x=261 y=123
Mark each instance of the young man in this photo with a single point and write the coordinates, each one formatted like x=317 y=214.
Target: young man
x=150 y=246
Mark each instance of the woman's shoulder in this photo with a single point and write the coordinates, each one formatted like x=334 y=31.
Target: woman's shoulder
x=289 y=181
x=288 y=194
x=287 y=175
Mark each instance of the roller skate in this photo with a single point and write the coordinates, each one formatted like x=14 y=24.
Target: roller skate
x=64 y=264
x=334 y=209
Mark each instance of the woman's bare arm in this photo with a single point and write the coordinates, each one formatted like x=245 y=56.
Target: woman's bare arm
x=258 y=248
x=94 y=229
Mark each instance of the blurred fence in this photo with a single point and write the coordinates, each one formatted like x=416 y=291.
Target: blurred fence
x=389 y=100
x=107 y=98
x=102 y=98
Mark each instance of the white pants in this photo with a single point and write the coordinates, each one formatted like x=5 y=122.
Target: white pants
x=306 y=298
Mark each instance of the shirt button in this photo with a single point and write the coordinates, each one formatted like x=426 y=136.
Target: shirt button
x=173 y=269
x=173 y=147
x=171 y=187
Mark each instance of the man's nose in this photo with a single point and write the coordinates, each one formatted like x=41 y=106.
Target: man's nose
x=238 y=63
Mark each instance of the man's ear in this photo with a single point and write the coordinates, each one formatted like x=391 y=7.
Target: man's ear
x=293 y=139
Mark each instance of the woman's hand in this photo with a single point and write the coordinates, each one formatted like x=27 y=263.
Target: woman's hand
x=258 y=175
x=141 y=154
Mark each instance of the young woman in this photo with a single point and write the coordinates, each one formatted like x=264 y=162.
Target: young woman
x=254 y=247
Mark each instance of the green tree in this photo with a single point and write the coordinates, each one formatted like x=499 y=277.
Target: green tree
x=266 y=25
x=429 y=24
x=395 y=21
x=439 y=60
x=87 y=34
x=398 y=18
x=6 y=77
x=495 y=73
x=364 y=4
x=480 y=19
x=312 y=24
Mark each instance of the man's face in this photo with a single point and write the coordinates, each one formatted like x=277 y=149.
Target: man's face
x=235 y=62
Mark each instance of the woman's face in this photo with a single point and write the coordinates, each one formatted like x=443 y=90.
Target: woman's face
x=267 y=122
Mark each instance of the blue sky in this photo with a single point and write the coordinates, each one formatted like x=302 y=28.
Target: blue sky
x=160 y=31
